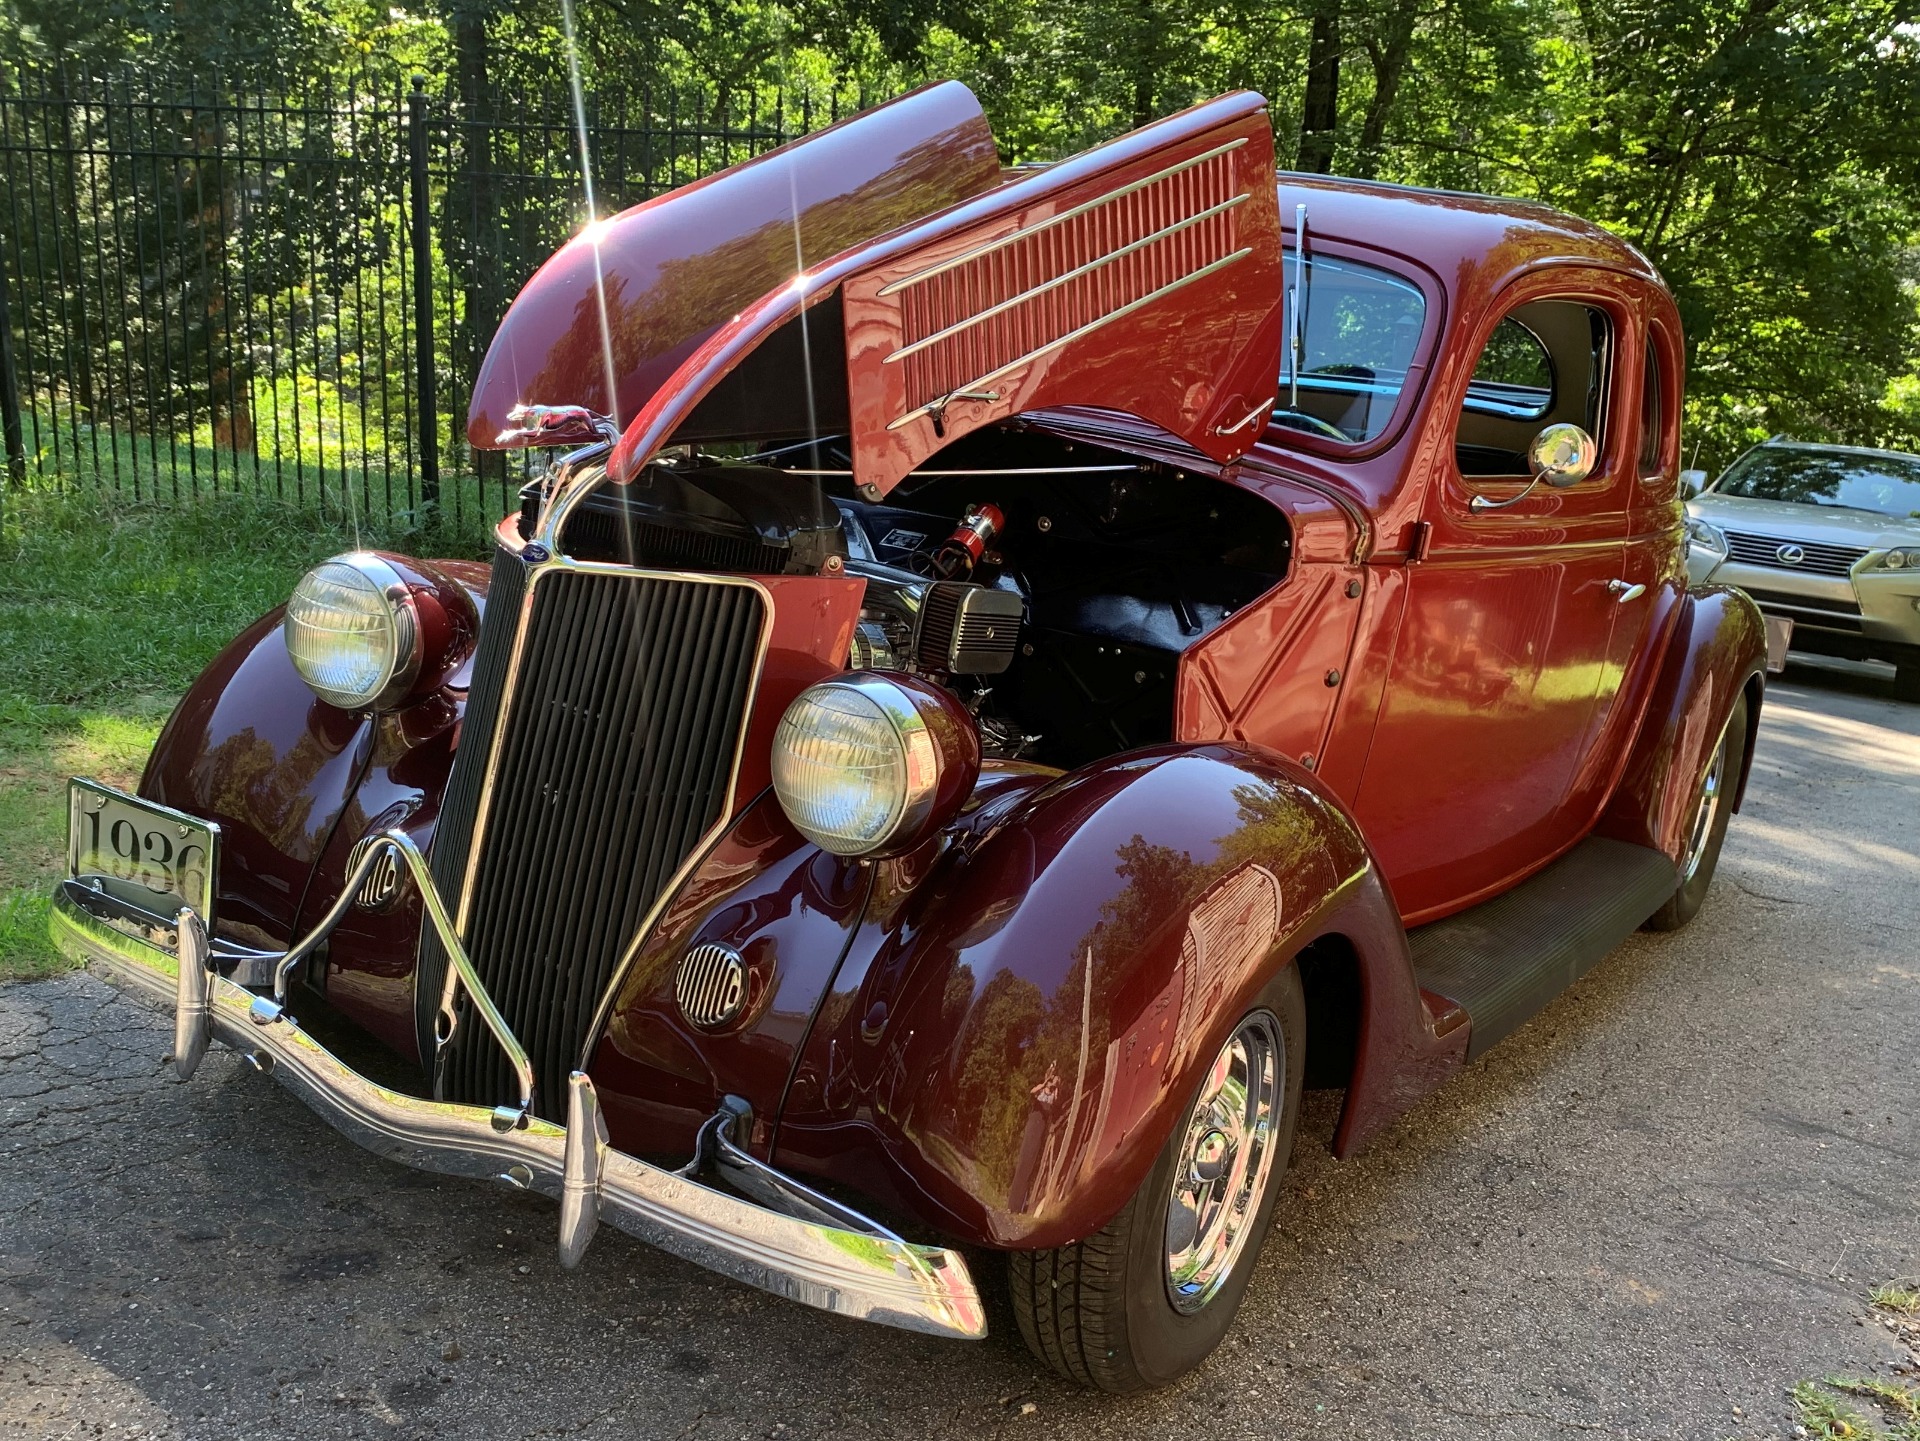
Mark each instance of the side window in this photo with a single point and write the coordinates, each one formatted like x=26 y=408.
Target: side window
x=1514 y=375
x=1653 y=412
x=1546 y=362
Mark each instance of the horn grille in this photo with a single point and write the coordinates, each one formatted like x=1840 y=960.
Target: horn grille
x=711 y=985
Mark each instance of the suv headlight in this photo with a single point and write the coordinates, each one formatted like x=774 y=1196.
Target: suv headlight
x=367 y=630
x=1901 y=559
x=870 y=764
x=1706 y=535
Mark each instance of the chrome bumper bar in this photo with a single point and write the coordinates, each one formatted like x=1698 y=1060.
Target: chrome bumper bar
x=810 y=1249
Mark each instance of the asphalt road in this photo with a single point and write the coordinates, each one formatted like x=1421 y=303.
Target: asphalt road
x=1645 y=1215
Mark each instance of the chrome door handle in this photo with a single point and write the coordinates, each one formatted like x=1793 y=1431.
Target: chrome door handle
x=1624 y=591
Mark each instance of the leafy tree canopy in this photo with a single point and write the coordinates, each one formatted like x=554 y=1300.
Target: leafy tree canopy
x=1764 y=153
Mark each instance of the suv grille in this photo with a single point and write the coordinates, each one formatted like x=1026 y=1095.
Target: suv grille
x=616 y=757
x=1816 y=559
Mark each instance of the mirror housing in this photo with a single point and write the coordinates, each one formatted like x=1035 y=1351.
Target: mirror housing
x=1692 y=482
x=1562 y=454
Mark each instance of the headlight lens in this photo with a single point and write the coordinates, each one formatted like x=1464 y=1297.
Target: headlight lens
x=1705 y=534
x=1901 y=559
x=351 y=631
x=870 y=763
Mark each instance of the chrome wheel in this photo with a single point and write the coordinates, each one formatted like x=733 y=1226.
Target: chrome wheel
x=1225 y=1163
x=1711 y=797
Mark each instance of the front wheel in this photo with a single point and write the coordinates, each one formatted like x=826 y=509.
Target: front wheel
x=1148 y=1297
x=1707 y=828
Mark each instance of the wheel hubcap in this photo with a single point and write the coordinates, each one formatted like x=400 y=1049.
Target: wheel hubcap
x=1706 y=810
x=1227 y=1157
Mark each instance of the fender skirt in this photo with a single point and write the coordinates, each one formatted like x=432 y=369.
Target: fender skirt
x=1006 y=1046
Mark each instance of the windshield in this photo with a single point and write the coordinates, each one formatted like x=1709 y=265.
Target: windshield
x=1887 y=483
x=1362 y=325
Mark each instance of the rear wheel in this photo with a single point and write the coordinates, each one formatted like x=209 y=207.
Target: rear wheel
x=1149 y=1296
x=1906 y=679
x=1707 y=828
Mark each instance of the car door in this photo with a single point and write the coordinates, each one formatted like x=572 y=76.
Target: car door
x=1507 y=633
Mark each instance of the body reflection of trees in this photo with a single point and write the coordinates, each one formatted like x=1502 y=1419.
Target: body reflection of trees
x=1048 y=1080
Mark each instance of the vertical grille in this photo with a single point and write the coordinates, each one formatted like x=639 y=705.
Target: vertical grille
x=453 y=834
x=616 y=757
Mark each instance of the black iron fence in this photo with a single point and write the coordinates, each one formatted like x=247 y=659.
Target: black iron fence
x=207 y=289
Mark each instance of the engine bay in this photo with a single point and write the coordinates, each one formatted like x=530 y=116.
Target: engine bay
x=1050 y=583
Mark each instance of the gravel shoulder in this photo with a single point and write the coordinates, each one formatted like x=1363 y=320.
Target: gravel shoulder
x=1648 y=1214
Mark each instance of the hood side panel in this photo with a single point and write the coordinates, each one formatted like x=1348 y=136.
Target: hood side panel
x=1144 y=277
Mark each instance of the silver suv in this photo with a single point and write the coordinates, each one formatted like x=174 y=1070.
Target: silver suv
x=1824 y=536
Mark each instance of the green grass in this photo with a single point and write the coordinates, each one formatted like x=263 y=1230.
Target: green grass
x=1900 y=1296
x=108 y=609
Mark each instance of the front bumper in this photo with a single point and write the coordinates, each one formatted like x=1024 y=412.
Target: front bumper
x=797 y=1244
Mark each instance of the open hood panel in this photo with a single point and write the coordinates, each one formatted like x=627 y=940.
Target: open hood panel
x=679 y=267
x=1141 y=276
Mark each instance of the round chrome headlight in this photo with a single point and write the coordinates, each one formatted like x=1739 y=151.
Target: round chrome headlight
x=871 y=764
x=353 y=632
x=1899 y=559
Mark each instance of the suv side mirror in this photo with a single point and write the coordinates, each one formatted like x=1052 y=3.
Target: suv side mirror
x=1692 y=482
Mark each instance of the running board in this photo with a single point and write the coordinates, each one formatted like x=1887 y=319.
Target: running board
x=1504 y=959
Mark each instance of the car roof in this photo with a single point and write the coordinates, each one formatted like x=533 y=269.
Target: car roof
x=1824 y=448
x=1452 y=232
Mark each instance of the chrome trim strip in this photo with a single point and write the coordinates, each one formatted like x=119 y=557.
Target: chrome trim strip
x=1104 y=198
x=939 y=403
x=1074 y=274
x=864 y=1272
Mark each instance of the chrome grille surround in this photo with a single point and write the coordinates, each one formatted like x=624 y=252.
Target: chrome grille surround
x=710 y=985
x=1816 y=558
x=610 y=768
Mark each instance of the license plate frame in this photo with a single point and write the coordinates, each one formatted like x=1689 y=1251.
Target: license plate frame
x=174 y=859
x=1779 y=637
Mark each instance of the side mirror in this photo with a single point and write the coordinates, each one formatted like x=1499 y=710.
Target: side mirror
x=1562 y=455
x=1692 y=482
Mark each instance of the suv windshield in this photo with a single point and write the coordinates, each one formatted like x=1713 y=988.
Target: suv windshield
x=1887 y=483
x=1362 y=325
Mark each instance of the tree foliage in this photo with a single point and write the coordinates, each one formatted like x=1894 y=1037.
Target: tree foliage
x=1764 y=153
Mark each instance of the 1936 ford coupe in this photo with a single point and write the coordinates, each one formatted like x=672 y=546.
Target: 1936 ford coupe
x=1002 y=679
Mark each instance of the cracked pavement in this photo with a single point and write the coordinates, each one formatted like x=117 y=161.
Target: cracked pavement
x=1645 y=1215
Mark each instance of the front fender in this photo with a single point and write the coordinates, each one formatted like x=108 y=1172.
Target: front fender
x=1717 y=652
x=1006 y=1050
x=293 y=782
x=251 y=748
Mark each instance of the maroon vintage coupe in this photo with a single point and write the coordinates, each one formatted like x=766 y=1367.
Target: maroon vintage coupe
x=1003 y=678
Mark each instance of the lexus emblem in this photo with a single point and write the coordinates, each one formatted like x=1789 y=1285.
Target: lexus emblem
x=1790 y=554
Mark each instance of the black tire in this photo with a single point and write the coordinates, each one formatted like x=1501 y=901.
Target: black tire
x=1099 y=1311
x=1697 y=871
x=1906 y=680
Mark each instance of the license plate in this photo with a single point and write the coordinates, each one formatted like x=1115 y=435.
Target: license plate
x=1779 y=637
x=150 y=857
